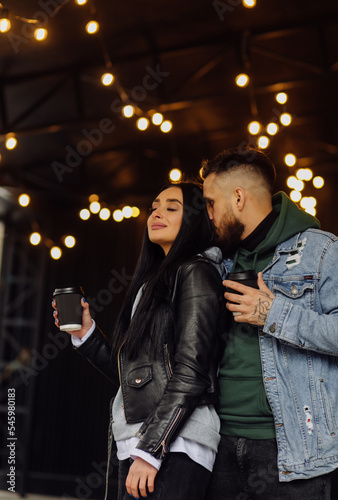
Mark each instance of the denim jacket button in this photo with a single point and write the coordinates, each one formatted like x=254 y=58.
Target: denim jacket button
x=294 y=290
x=138 y=380
x=272 y=328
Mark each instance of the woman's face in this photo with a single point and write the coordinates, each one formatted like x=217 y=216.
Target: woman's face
x=166 y=217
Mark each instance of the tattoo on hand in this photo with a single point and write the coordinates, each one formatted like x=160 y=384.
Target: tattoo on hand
x=262 y=310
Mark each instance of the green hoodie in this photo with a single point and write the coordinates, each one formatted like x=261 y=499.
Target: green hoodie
x=243 y=408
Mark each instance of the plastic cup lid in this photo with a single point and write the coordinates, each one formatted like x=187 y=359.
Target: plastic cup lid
x=70 y=289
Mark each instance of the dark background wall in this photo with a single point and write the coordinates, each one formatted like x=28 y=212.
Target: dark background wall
x=62 y=401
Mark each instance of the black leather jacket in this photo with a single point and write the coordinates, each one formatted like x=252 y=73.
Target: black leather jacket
x=162 y=388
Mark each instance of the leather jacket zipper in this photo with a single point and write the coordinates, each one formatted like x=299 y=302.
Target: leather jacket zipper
x=169 y=432
x=119 y=370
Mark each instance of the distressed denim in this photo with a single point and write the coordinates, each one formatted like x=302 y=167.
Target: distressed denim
x=299 y=353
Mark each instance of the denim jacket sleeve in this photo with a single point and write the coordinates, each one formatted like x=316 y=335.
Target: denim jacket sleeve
x=311 y=329
x=200 y=310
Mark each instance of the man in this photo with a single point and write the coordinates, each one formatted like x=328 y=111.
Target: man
x=279 y=373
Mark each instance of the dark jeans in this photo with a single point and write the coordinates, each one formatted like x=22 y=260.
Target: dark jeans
x=179 y=478
x=246 y=469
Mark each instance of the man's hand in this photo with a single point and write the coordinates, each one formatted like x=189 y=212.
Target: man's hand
x=251 y=307
x=141 y=478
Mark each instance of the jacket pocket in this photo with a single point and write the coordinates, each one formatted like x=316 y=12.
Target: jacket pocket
x=140 y=376
x=329 y=416
x=300 y=288
x=293 y=288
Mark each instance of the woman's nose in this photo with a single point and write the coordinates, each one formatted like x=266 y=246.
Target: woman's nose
x=157 y=214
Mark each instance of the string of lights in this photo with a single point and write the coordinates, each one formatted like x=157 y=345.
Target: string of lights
x=108 y=78
x=262 y=135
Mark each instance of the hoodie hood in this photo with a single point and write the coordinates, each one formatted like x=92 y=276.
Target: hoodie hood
x=214 y=254
x=290 y=221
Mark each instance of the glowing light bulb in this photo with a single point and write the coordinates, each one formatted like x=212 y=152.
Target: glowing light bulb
x=311 y=210
x=294 y=183
x=166 y=126
x=304 y=174
x=272 y=128
x=69 y=241
x=40 y=34
x=142 y=123
x=136 y=211
x=24 y=200
x=290 y=159
x=308 y=174
x=92 y=27
x=94 y=207
x=5 y=24
x=254 y=127
x=157 y=118
x=11 y=142
x=93 y=197
x=127 y=212
x=55 y=252
x=81 y=2
x=300 y=174
x=118 y=215
x=84 y=214
x=295 y=196
x=318 y=182
x=281 y=97
x=107 y=79
x=128 y=111
x=249 y=4
x=242 y=80
x=263 y=141
x=35 y=238
x=175 y=175
x=285 y=119
x=104 y=214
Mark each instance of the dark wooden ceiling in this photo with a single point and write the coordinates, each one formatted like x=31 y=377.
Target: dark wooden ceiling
x=179 y=58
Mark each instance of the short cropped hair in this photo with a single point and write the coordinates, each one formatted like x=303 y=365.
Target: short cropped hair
x=251 y=159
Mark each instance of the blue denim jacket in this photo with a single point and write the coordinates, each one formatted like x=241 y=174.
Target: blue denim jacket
x=299 y=353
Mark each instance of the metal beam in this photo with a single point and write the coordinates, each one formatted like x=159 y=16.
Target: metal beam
x=287 y=59
x=39 y=102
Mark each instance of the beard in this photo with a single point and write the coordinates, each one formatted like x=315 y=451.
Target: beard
x=229 y=234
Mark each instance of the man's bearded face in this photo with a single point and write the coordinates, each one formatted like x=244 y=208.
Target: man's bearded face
x=229 y=233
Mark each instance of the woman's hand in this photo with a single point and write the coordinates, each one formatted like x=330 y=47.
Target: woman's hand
x=141 y=478
x=86 y=319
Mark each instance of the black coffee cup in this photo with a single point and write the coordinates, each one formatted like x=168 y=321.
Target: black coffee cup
x=247 y=278
x=68 y=304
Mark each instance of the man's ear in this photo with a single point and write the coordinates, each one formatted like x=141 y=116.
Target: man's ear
x=239 y=198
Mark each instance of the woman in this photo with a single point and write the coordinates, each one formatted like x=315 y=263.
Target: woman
x=165 y=353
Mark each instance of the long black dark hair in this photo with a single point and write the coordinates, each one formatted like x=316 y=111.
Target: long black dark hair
x=157 y=272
